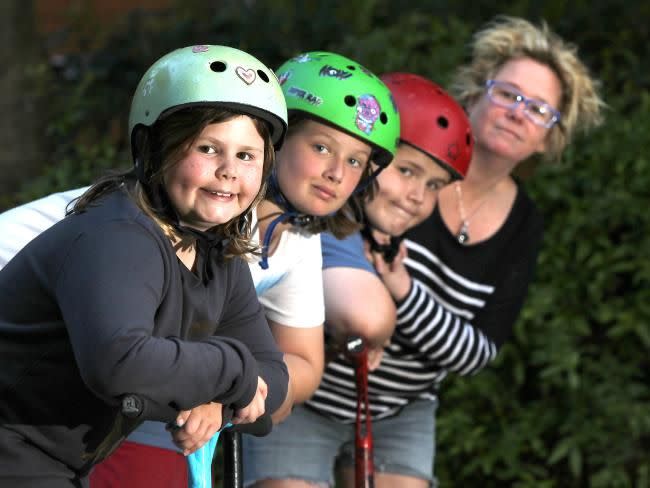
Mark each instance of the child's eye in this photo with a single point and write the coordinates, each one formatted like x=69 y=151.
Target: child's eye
x=435 y=185
x=355 y=163
x=405 y=171
x=205 y=149
x=244 y=156
x=320 y=148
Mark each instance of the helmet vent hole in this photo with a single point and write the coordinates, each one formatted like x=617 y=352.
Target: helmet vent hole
x=350 y=101
x=146 y=113
x=263 y=76
x=468 y=139
x=218 y=66
x=443 y=122
x=350 y=67
x=383 y=118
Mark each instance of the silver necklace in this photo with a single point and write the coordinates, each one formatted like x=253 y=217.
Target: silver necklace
x=462 y=236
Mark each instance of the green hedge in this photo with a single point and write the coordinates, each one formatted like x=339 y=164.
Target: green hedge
x=567 y=403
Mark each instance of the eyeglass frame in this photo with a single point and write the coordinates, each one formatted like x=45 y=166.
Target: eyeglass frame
x=521 y=98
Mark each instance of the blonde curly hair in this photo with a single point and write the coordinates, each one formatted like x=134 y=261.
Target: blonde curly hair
x=505 y=38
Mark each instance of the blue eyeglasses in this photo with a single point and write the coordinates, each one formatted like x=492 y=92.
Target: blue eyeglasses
x=505 y=95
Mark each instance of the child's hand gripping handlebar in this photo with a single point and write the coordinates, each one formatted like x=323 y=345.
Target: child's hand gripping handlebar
x=200 y=462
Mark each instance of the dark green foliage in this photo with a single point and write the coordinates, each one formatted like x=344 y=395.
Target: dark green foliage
x=568 y=402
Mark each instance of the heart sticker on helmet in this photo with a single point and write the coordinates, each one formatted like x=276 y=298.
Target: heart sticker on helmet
x=247 y=75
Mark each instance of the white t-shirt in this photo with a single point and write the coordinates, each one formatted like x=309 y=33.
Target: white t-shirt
x=20 y=225
x=290 y=289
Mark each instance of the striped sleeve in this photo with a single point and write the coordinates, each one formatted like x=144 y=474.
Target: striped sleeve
x=440 y=335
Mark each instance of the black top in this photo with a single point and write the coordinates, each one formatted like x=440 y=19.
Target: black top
x=463 y=303
x=99 y=306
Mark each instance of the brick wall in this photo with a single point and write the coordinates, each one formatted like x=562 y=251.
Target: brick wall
x=52 y=15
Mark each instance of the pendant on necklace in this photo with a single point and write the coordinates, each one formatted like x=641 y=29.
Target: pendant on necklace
x=463 y=234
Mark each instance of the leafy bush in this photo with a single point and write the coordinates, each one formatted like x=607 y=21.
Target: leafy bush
x=566 y=404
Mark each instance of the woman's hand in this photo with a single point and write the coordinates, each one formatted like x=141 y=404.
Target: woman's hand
x=394 y=275
x=196 y=426
x=255 y=408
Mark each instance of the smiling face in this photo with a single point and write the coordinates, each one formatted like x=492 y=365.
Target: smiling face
x=507 y=132
x=319 y=167
x=219 y=175
x=407 y=191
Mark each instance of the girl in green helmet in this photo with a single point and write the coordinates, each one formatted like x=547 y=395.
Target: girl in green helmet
x=343 y=128
x=141 y=291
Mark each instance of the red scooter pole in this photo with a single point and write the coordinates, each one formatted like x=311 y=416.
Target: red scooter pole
x=364 y=469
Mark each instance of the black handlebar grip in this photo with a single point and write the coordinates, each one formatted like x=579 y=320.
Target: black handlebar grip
x=261 y=427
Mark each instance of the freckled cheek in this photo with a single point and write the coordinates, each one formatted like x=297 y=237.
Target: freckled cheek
x=252 y=178
x=191 y=173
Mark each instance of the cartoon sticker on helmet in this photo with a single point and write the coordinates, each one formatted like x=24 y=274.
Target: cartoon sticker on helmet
x=148 y=86
x=368 y=110
x=199 y=49
x=247 y=75
x=282 y=79
x=305 y=58
x=333 y=72
x=294 y=91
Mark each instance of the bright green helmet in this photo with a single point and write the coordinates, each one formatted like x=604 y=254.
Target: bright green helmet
x=342 y=93
x=209 y=75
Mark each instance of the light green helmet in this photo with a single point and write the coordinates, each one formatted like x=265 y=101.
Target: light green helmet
x=213 y=76
x=342 y=93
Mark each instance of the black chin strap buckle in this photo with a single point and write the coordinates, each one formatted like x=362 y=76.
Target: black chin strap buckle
x=388 y=251
x=301 y=220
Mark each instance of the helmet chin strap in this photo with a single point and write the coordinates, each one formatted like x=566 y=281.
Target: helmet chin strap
x=293 y=215
x=289 y=213
x=388 y=251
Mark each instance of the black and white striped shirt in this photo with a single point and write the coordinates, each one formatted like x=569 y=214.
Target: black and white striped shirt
x=461 y=306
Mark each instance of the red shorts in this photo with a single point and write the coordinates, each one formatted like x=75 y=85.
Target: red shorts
x=134 y=465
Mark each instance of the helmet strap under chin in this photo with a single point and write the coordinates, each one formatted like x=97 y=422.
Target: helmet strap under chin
x=289 y=213
x=207 y=243
x=388 y=251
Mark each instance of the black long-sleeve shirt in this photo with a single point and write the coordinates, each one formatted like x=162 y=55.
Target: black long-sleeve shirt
x=99 y=306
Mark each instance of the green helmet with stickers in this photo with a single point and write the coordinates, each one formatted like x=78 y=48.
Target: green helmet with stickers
x=208 y=75
x=342 y=93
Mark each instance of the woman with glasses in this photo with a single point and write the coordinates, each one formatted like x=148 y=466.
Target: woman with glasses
x=461 y=277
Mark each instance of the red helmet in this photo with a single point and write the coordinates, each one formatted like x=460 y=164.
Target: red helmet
x=432 y=121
